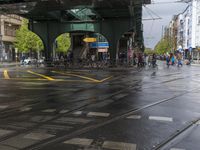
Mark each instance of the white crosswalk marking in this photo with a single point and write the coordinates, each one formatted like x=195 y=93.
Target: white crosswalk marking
x=98 y=114
x=119 y=145
x=3 y=147
x=3 y=106
x=79 y=141
x=25 y=109
x=176 y=149
x=158 y=118
x=64 y=111
x=49 y=110
x=5 y=132
x=78 y=113
x=38 y=136
x=198 y=123
x=134 y=117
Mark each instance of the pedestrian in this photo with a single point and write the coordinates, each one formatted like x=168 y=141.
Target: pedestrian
x=154 y=60
x=179 y=58
x=189 y=59
x=172 y=59
x=168 y=60
x=140 y=61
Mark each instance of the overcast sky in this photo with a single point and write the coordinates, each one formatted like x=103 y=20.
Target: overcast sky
x=153 y=28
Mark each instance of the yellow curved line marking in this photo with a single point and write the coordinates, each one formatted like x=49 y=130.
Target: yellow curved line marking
x=57 y=80
x=6 y=76
x=106 y=79
x=83 y=77
x=43 y=76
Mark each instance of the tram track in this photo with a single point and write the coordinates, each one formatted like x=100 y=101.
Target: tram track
x=95 y=126
x=170 y=141
x=89 y=128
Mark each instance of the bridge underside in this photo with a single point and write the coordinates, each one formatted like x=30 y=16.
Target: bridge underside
x=50 y=18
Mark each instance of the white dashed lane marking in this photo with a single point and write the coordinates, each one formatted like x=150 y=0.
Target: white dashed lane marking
x=158 y=118
x=49 y=110
x=98 y=114
x=79 y=141
x=134 y=117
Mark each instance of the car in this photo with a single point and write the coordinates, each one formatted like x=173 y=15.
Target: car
x=28 y=61
x=41 y=60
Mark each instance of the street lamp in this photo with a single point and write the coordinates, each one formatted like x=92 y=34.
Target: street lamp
x=1 y=48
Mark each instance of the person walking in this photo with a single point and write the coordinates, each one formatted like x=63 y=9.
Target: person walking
x=154 y=60
x=179 y=58
x=168 y=60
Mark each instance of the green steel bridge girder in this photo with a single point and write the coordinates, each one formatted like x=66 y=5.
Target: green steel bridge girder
x=111 y=29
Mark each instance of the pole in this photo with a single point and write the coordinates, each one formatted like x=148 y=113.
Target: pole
x=1 y=49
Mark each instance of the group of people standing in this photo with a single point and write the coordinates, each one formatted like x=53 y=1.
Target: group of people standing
x=143 y=59
x=177 y=58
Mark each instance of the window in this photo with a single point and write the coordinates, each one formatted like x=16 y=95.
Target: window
x=10 y=29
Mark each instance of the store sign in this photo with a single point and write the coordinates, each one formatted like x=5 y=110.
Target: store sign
x=89 y=40
x=99 y=45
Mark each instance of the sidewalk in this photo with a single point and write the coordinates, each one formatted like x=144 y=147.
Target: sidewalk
x=195 y=64
x=9 y=64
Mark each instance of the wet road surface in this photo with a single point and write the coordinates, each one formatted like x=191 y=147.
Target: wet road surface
x=112 y=109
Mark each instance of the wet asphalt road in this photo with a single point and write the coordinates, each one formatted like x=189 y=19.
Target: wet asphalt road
x=112 y=109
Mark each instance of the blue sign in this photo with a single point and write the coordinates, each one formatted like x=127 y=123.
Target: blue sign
x=99 y=45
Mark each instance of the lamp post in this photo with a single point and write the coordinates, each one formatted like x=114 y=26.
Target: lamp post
x=1 y=48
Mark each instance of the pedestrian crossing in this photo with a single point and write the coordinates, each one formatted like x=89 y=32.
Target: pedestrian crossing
x=92 y=114
x=111 y=145
x=159 y=118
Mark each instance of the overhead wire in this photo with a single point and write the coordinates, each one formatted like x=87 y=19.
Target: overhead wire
x=149 y=34
x=170 y=2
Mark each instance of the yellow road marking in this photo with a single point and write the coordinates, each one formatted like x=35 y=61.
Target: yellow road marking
x=106 y=79
x=6 y=76
x=83 y=77
x=43 y=76
x=57 y=80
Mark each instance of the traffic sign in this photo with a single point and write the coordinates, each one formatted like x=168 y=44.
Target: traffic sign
x=89 y=40
x=99 y=45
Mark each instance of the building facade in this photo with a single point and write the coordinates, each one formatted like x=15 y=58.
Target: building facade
x=186 y=30
x=8 y=26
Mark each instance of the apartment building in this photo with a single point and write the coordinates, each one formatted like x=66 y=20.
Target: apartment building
x=188 y=26
x=8 y=26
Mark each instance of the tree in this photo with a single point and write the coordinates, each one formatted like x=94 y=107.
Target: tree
x=149 y=51
x=163 y=46
x=27 y=41
x=63 y=43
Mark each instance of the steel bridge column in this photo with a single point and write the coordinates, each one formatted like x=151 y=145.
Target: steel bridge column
x=113 y=31
x=43 y=30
